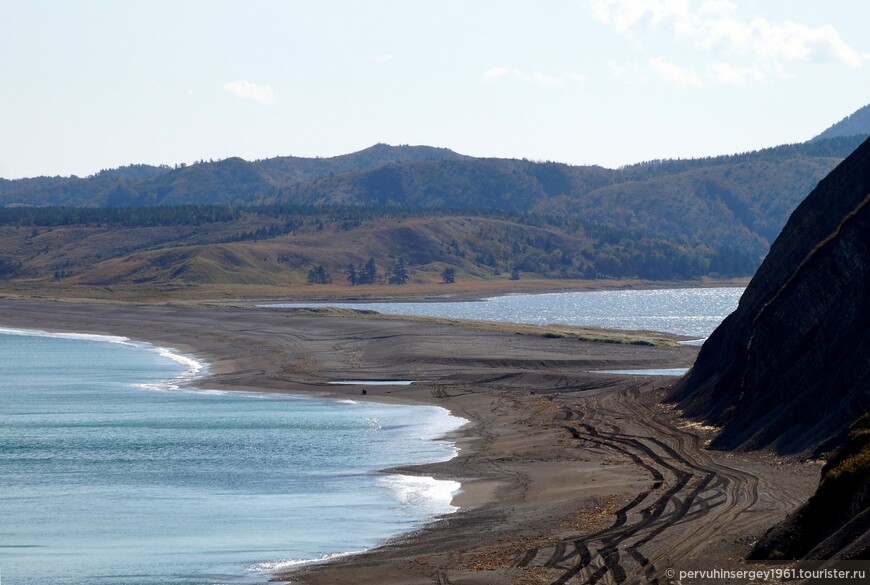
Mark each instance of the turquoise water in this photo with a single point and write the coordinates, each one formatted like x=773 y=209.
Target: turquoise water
x=111 y=472
x=693 y=312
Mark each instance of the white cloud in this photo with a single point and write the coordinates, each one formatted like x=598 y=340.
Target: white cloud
x=674 y=73
x=262 y=94
x=717 y=7
x=381 y=58
x=768 y=42
x=765 y=48
x=792 y=41
x=727 y=73
x=625 y=15
x=535 y=77
x=496 y=72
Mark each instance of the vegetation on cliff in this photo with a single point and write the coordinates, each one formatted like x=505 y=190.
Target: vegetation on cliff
x=836 y=519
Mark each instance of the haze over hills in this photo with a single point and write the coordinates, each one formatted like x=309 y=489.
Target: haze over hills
x=665 y=219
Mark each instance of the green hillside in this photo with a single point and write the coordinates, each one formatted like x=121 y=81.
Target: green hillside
x=664 y=219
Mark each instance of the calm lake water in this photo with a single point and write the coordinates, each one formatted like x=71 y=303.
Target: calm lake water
x=694 y=312
x=111 y=473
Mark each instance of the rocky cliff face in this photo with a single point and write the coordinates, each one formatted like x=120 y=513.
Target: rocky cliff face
x=790 y=368
x=835 y=522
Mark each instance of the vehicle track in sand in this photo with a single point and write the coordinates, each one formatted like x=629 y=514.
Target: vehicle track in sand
x=690 y=497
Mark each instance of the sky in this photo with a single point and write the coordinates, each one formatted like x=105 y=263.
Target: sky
x=87 y=85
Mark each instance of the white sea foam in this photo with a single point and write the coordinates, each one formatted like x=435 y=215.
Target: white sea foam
x=194 y=368
x=62 y=335
x=285 y=564
x=427 y=493
x=445 y=422
x=436 y=427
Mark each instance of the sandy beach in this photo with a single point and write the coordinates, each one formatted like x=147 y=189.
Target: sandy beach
x=568 y=476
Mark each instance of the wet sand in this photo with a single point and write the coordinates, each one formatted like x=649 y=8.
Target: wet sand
x=568 y=476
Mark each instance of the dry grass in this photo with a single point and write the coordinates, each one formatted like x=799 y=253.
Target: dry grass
x=423 y=290
x=594 y=334
x=241 y=294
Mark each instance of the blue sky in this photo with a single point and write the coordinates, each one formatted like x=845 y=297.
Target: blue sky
x=91 y=84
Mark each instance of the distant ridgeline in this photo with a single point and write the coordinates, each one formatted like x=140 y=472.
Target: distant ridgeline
x=272 y=221
x=855 y=124
x=789 y=369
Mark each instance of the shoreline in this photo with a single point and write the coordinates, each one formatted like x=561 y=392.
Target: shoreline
x=463 y=290
x=489 y=290
x=195 y=379
x=536 y=470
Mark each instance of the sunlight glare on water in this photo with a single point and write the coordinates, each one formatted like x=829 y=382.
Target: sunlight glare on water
x=693 y=312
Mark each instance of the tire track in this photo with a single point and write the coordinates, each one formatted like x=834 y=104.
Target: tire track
x=688 y=499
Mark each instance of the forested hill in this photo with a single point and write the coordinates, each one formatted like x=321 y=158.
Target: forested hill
x=739 y=201
x=229 y=181
x=746 y=197
x=857 y=123
x=416 y=176
x=663 y=219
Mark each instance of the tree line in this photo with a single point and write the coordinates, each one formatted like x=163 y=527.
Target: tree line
x=360 y=274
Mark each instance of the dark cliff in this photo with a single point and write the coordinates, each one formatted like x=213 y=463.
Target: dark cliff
x=835 y=522
x=789 y=369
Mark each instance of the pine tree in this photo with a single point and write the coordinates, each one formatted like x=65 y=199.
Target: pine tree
x=318 y=275
x=371 y=271
x=400 y=273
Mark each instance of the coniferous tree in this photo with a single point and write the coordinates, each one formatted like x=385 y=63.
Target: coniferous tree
x=448 y=276
x=351 y=274
x=318 y=275
x=400 y=273
x=371 y=271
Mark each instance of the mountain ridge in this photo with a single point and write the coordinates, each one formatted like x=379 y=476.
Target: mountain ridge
x=663 y=219
x=856 y=123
